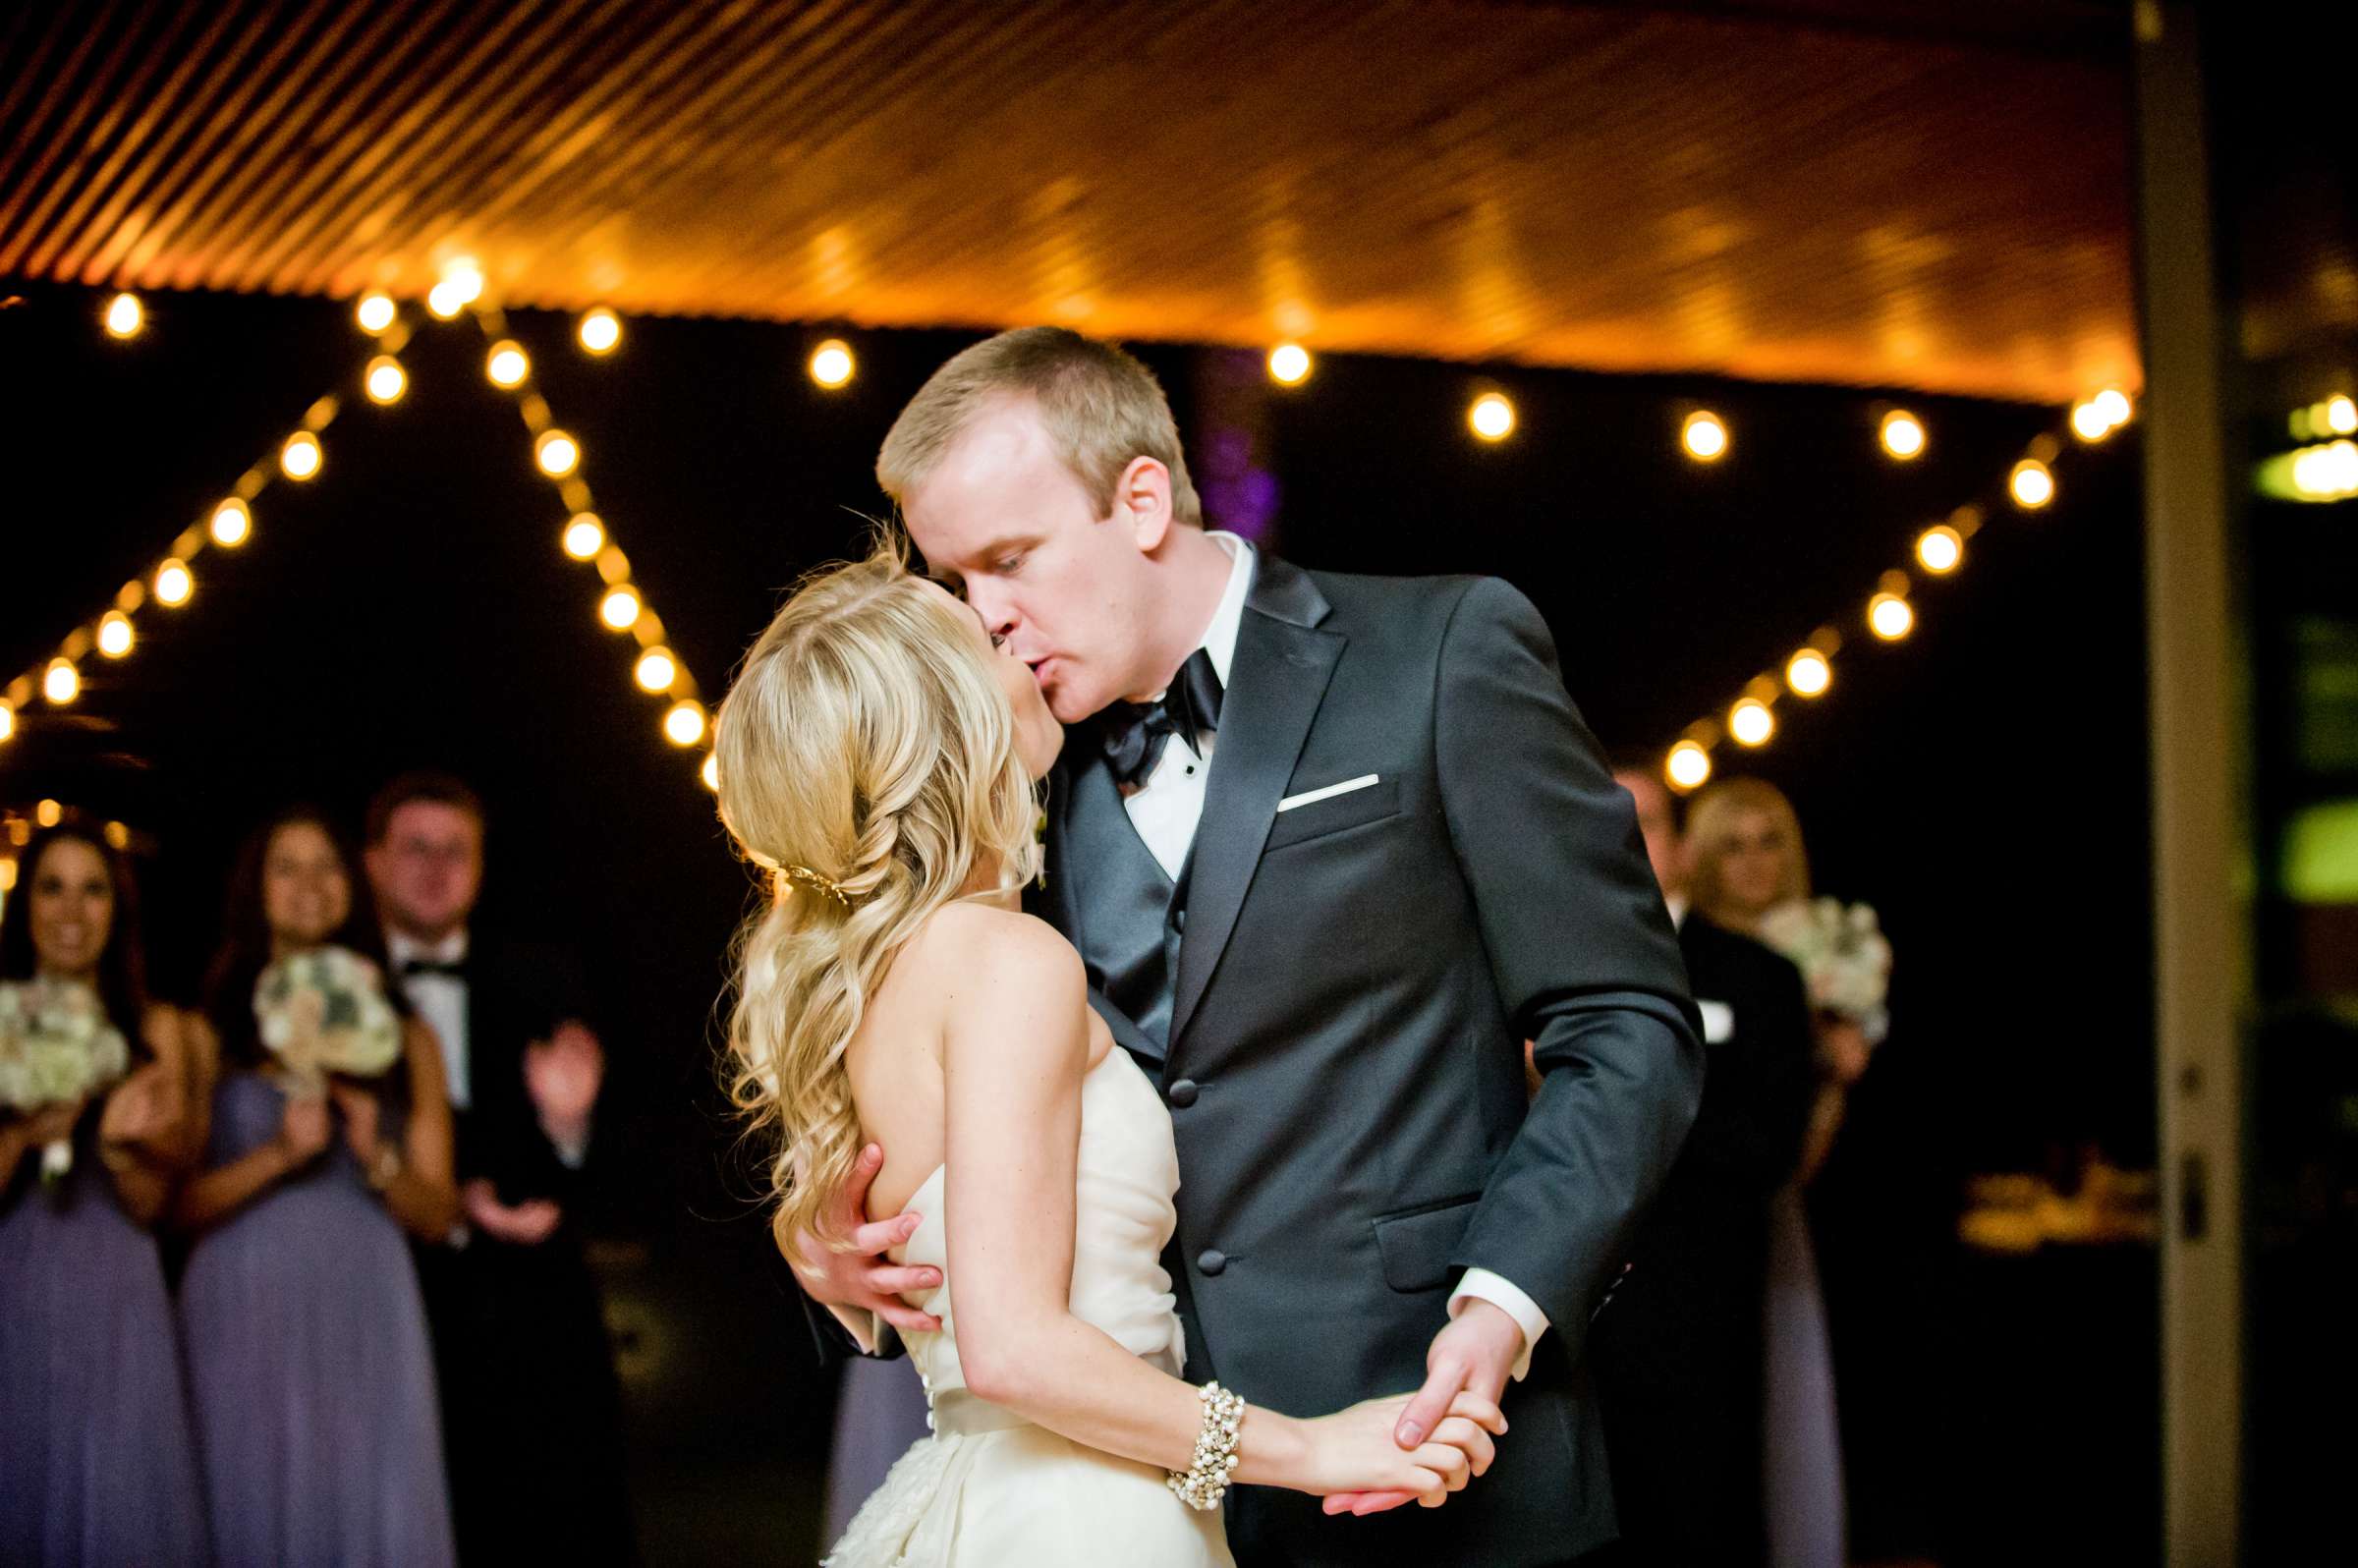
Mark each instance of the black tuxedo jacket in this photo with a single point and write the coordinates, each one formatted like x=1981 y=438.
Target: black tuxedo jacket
x=517 y=994
x=1678 y=1350
x=1355 y=977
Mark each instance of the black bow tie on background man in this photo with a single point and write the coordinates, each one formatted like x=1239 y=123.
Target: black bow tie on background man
x=455 y=969
x=1135 y=733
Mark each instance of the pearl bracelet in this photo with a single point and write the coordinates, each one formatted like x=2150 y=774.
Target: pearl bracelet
x=1202 y=1483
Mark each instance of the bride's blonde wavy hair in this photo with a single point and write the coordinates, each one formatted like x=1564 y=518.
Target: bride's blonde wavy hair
x=865 y=744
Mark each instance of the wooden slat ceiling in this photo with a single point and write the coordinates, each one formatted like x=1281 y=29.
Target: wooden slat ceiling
x=1776 y=192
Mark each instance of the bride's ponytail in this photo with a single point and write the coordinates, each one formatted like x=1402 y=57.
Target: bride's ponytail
x=868 y=764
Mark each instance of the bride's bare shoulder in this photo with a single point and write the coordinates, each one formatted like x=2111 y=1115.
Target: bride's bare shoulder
x=975 y=943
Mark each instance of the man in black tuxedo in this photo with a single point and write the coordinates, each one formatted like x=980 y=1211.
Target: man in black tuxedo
x=531 y=1413
x=1677 y=1349
x=1410 y=859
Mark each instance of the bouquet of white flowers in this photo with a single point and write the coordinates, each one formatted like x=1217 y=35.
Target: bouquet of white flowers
x=326 y=1011
x=57 y=1045
x=1841 y=955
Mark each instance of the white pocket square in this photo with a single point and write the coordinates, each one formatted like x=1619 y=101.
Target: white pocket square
x=1311 y=796
x=1718 y=1021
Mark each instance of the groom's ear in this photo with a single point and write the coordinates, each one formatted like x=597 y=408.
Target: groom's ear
x=1144 y=494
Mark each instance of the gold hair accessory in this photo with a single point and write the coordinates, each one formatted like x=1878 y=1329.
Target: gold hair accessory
x=824 y=885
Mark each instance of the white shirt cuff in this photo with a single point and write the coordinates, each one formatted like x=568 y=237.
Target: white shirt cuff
x=1480 y=1284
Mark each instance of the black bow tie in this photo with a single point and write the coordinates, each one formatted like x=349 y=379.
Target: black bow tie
x=452 y=969
x=1135 y=733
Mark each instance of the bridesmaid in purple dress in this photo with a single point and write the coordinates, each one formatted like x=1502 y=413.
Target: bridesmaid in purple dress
x=96 y=1463
x=301 y=1319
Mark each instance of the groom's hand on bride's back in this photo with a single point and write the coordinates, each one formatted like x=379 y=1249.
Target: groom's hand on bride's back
x=861 y=1278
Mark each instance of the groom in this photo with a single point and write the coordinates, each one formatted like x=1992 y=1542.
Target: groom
x=1332 y=848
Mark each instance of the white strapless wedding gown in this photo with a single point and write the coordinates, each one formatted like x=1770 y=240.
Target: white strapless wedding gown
x=989 y=1488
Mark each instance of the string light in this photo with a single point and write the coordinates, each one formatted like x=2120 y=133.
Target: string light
x=114 y=635
x=1940 y=549
x=118 y=835
x=300 y=458
x=174 y=583
x=600 y=330
x=656 y=670
x=585 y=536
x=232 y=523
x=684 y=725
x=508 y=364
x=375 y=311
x=1687 y=766
x=709 y=772
x=2031 y=484
x=2325 y=473
x=1289 y=365
x=460 y=286
x=49 y=814
x=831 y=364
x=1890 y=617
x=1704 y=436
x=1903 y=434
x=61 y=683
x=1493 y=416
x=557 y=453
x=2088 y=421
x=619 y=609
x=386 y=381
x=124 y=315
x=2113 y=404
x=8 y=721
x=1750 y=724
x=1808 y=673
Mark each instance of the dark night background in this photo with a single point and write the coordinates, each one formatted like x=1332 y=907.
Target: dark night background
x=1981 y=784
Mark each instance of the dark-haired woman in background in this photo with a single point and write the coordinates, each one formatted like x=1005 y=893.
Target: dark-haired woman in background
x=305 y=1338
x=96 y=1463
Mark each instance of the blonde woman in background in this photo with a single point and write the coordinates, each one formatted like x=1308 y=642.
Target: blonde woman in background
x=877 y=757
x=1746 y=858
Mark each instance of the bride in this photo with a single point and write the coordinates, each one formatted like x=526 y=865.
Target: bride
x=877 y=758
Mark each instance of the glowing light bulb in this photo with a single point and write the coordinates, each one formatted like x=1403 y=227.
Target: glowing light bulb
x=2323 y=473
x=1903 y=434
x=232 y=523
x=585 y=536
x=174 y=584
x=8 y=721
x=1289 y=365
x=1687 y=766
x=831 y=364
x=49 y=814
x=460 y=286
x=386 y=381
x=656 y=670
x=1808 y=673
x=619 y=609
x=1493 y=416
x=508 y=364
x=2088 y=421
x=557 y=453
x=118 y=834
x=709 y=772
x=2113 y=404
x=124 y=315
x=1888 y=616
x=2031 y=484
x=1940 y=549
x=2341 y=415
x=375 y=313
x=114 y=635
x=1750 y=723
x=600 y=330
x=301 y=457
x=61 y=683
x=684 y=725
x=1705 y=436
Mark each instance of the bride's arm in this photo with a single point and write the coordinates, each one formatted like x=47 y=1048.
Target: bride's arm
x=1017 y=1047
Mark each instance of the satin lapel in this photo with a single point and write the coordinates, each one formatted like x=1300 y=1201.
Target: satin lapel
x=1277 y=682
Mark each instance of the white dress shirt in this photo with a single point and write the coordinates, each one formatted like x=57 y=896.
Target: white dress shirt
x=441 y=1000
x=1166 y=809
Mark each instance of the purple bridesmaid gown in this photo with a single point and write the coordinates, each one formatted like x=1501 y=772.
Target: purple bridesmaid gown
x=96 y=1464
x=308 y=1366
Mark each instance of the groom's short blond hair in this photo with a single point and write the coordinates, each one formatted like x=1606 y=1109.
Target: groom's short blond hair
x=1101 y=408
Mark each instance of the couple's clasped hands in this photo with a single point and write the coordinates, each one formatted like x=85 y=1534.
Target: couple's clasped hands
x=1372 y=1456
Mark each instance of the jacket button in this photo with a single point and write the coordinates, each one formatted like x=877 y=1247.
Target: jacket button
x=1183 y=1092
x=1179 y=921
x=1211 y=1260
